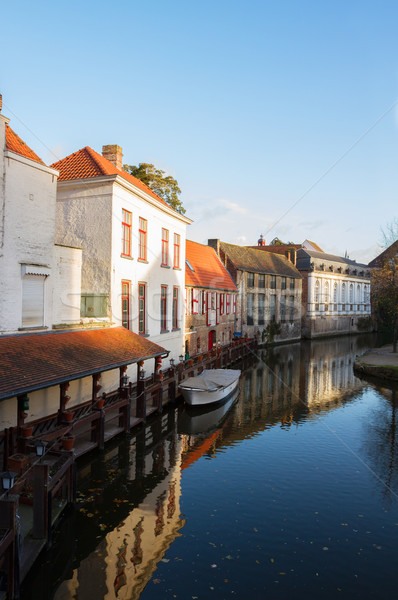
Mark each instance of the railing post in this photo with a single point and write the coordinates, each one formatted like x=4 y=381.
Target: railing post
x=141 y=399
x=40 y=501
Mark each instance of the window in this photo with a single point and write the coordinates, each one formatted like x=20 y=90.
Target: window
x=142 y=239
x=272 y=308
x=126 y=304
x=33 y=300
x=222 y=304
x=195 y=301
x=283 y=283
x=228 y=304
x=165 y=247
x=250 y=303
x=175 y=307
x=343 y=293
x=292 y=283
x=250 y=280
x=176 y=251
x=283 y=309
x=141 y=308
x=273 y=282
x=93 y=306
x=291 y=309
x=351 y=293
x=234 y=305
x=163 y=308
x=202 y=307
x=126 y=232
x=335 y=293
x=317 y=294
x=261 y=281
x=261 y=303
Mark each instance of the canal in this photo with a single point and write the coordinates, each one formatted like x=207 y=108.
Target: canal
x=288 y=491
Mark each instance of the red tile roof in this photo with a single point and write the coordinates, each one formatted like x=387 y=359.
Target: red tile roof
x=35 y=361
x=87 y=164
x=208 y=270
x=15 y=144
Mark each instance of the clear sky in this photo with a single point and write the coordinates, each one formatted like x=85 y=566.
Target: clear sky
x=277 y=117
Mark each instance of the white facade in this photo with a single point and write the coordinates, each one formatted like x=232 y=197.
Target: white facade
x=27 y=232
x=336 y=294
x=90 y=214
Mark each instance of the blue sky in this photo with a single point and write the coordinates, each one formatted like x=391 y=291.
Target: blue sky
x=276 y=117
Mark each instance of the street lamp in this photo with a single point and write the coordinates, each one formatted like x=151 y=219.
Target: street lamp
x=8 y=478
x=181 y=358
x=40 y=448
x=171 y=362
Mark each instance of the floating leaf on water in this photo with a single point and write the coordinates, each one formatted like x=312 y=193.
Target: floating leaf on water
x=214 y=566
x=272 y=560
x=165 y=560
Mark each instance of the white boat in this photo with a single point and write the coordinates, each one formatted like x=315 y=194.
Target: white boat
x=200 y=420
x=210 y=386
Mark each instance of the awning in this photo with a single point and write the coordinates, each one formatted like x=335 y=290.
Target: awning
x=39 y=360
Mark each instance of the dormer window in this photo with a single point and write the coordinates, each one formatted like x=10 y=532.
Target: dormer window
x=189 y=264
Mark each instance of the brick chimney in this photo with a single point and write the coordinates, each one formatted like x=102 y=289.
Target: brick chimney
x=113 y=153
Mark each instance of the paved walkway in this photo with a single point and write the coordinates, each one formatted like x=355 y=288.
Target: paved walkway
x=378 y=362
x=383 y=356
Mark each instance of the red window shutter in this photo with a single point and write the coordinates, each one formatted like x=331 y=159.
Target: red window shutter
x=186 y=301
x=234 y=304
x=217 y=308
x=195 y=301
x=208 y=307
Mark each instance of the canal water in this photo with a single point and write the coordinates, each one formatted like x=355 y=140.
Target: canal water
x=288 y=491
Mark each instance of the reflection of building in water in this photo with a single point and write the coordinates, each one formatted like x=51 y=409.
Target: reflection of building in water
x=289 y=381
x=327 y=374
x=269 y=391
x=126 y=558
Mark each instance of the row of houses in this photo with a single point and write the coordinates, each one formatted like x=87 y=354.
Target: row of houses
x=85 y=245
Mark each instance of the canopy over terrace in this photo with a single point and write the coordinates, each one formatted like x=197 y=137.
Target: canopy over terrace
x=39 y=360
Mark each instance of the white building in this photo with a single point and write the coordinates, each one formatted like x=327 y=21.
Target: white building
x=336 y=294
x=133 y=246
x=33 y=281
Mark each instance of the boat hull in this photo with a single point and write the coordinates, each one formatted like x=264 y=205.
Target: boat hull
x=197 y=397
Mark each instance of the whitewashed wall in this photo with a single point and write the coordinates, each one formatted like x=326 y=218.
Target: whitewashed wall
x=67 y=285
x=28 y=227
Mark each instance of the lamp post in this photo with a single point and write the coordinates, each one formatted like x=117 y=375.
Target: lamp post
x=8 y=478
x=40 y=448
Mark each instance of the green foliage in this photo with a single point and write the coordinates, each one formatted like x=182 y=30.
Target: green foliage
x=165 y=187
x=385 y=296
x=364 y=323
x=271 y=330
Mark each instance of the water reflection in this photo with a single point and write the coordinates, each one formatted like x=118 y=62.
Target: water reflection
x=129 y=509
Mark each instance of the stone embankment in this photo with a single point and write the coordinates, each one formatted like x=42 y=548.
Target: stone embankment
x=378 y=362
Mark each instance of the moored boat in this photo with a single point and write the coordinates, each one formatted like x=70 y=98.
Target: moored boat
x=210 y=386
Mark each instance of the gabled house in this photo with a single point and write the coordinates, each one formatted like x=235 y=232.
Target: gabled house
x=133 y=246
x=386 y=255
x=210 y=300
x=269 y=292
x=39 y=281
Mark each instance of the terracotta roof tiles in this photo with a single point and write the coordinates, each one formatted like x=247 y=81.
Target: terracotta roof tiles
x=208 y=271
x=87 y=164
x=15 y=144
x=37 y=360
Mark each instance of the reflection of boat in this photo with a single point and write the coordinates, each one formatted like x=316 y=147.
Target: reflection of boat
x=204 y=419
x=210 y=386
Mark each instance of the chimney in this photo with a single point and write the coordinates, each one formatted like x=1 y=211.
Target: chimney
x=215 y=244
x=114 y=154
